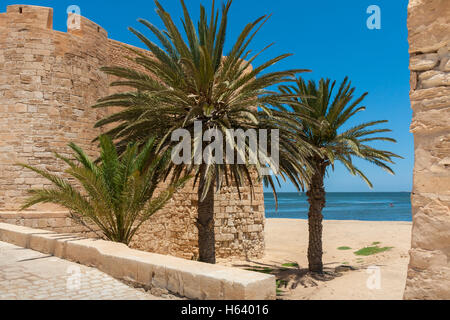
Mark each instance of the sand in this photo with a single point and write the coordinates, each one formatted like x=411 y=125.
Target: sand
x=378 y=276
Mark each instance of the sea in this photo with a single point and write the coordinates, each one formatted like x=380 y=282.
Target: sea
x=373 y=206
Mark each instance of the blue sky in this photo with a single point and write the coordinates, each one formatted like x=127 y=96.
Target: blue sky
x=329 y=37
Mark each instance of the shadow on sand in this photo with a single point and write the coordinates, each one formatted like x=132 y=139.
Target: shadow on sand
x=289 y=278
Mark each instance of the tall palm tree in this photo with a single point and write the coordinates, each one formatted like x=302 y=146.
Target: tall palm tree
x=116 y=195
x=187 y=80
x=321 y=121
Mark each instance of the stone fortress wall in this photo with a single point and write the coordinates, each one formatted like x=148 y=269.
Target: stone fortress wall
x=48 y=81
x=429 y=39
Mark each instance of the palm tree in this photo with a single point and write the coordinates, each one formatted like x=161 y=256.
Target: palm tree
x=190 y=81
x=321 y=121
x=117 y=194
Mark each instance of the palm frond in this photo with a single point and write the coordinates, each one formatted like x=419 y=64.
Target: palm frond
x=115 y=194
x=320 y=117
x=189 y=79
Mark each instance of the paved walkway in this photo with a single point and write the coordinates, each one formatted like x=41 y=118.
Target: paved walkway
x=29 y=275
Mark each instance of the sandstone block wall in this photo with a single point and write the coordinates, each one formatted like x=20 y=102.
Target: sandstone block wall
x=57 y=221
x=48 y=81
x=429 y=38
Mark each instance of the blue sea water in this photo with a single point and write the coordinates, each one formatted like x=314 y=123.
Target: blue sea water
x=374 y=206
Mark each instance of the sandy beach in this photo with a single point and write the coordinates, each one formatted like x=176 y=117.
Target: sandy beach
x=356 y=276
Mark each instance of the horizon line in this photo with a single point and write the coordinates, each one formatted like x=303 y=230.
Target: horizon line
x=342 y=192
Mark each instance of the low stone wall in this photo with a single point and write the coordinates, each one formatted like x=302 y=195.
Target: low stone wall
x=190 y=279
x=59 y=222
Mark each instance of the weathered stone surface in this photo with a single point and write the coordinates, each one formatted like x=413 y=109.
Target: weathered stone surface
x=433 y=98
x=428 y=25
x=413 y=80
x=429 y=32
x=424 y=62
x=191 y=279
x=431 y=120
x=447 y=66
x=427 y=284
x=48 y=82
x=430 y=79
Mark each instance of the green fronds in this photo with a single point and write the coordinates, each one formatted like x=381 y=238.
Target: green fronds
x=117 y=194
x=187 y=78
x=317 y=116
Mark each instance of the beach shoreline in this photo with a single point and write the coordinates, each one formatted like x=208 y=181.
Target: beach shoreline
x=364 y=206
x=378 y=276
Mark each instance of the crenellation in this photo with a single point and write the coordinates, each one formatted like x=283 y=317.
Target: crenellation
x=84 y=27
x=27 y=15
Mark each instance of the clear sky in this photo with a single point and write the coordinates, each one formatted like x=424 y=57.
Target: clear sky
x=329 y=37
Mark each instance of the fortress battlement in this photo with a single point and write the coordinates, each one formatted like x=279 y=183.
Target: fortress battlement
x=23 y=16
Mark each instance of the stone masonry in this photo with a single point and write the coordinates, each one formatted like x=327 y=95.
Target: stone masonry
x=429 y=39
x=48 y=81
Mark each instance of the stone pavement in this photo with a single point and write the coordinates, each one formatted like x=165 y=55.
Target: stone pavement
x=29 y=275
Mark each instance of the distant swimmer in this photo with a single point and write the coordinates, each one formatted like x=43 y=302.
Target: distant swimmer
x=391 y=205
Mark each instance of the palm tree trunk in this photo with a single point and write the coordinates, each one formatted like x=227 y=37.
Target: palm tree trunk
x=316 y=199
x=205 y=224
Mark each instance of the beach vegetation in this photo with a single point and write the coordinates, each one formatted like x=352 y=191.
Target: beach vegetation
x=290 y=265
x=280 y=284
x=324 y=117
x=368 y=251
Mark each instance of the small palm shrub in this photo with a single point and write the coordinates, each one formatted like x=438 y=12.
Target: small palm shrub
x=116 y=192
